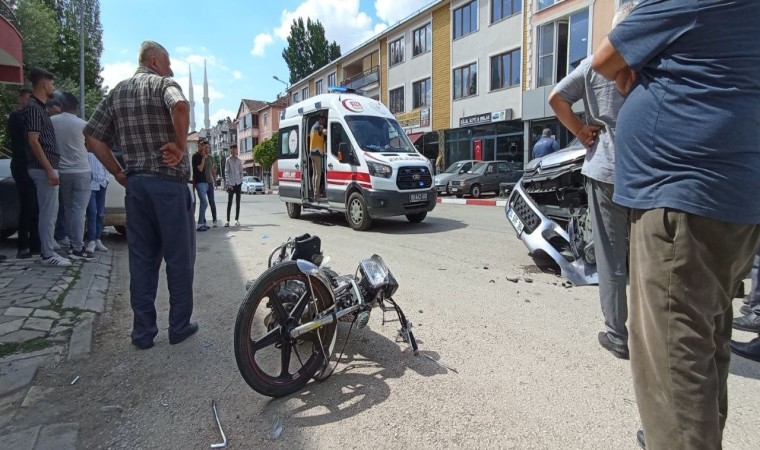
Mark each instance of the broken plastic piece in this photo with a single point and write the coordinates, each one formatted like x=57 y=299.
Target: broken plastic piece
x=222 y=444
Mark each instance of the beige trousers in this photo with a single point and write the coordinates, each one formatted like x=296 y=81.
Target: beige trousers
x=316 y=177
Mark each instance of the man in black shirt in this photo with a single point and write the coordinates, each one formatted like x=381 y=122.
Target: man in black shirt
x=199 y=161
x=28 y=242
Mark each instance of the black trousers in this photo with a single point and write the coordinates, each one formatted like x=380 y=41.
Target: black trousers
x=28 y=233
x=236 y=191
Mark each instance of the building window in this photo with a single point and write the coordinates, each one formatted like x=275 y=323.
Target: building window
x=466 y=19
x=266 y=118
x=397 y=51
x=501 y=9
x=296 y=98
x=466 y=81
x=255 y=121
x=422 y=39
x=397 y=100
x=562 y=45
x=254 y=142
x=422 y=93
x=505 y=69
x=318 y=87
x=332 y=80
x=304 y=93
x=541 y=4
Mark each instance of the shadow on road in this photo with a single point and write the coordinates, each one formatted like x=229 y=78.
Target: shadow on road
x=396 y=225
x=745 y=368
x=359 y=381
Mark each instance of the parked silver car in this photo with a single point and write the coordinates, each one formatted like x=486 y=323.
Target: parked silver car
x=458 y=168
x=9 y=204
x=548 y=208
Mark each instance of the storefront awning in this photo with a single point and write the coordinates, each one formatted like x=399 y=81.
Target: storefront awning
x=11 y=61
x=248 y=163
x=414 y=137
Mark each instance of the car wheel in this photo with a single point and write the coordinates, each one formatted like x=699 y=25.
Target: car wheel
x=357 y=214
x=121 y=229
x=6 y=233
x=448 y=190
x=460 y=195
x=416 y=218
x=294 y=210
x=475 y=191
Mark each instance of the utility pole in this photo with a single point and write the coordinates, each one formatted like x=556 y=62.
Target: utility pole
x=81 y=59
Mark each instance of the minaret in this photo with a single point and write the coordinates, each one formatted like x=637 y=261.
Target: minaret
x=206 y=121
x=192 y=101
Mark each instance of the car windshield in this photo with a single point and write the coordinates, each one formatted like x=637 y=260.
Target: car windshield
x=256 y=179
x=478 y=168
x=455 y=168
x=378 y=134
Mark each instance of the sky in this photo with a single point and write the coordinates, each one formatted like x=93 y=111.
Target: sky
x=241 y=41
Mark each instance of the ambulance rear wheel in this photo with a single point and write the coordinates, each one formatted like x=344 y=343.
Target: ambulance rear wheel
x=356 y=212
x=294 y=210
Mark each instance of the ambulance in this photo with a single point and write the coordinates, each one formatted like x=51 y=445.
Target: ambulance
x=370 y=168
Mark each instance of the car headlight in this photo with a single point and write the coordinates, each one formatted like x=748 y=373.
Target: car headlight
x=375 y=271
x=463 y=183
x=379 y=170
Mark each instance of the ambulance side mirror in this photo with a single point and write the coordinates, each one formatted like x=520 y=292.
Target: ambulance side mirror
x=345 y=154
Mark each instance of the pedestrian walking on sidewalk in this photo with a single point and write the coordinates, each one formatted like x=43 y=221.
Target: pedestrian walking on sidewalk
x=147 y=117
x=689 y=123
x=233 y=171
x=609 y=221
x=28 y=242
x=75 y=174
x=200 y=183
x=96 y=208
x=43 y=159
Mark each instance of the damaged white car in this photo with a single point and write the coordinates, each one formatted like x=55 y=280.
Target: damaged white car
x=548 y=209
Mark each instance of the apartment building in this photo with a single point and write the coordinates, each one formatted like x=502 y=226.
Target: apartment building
x=470 y=79
x=248 y=132
x=219 y=138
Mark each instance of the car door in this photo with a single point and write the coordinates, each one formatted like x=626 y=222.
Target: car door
x=339 y=174
x=289 y=164
x=490 y=178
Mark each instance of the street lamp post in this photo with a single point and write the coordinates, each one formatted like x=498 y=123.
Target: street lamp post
x=81 y=59
x=287 y=86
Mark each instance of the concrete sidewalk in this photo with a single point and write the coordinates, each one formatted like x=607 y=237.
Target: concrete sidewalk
x=46 y=316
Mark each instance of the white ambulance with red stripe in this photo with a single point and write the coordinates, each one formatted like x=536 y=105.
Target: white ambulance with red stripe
x=370 y=168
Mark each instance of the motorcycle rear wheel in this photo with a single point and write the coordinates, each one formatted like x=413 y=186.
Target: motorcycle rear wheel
x=272 y=363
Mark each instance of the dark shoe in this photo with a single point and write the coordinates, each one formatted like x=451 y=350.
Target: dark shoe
x=82 y=254
x=750 y=322
x=745 y=309
x=24 y=254
x=640 y=439
x=749 y=350
x=619 y=350
x=745 y=299
x=142 y=345
x=190 y=330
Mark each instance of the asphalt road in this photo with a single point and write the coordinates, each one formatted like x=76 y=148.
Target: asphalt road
x=529 y=372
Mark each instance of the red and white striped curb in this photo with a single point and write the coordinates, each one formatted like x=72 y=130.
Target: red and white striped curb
x=472 y=201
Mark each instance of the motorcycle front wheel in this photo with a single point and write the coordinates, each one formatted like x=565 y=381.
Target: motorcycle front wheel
x=270 y=361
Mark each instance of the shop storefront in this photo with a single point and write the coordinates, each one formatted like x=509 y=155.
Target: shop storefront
x=487 y=137
x=416 y=124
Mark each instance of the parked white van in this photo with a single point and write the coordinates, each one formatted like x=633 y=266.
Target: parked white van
x=370 y=170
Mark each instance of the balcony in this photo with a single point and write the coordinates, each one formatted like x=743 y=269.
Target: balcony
x=11 y=61
x=363 y=79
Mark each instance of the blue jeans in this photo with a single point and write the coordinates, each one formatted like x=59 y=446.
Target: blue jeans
x=202 y=190
x=96 y=213
x=160 y=227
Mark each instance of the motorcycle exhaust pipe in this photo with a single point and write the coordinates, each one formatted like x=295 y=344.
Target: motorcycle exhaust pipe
x=327 y=320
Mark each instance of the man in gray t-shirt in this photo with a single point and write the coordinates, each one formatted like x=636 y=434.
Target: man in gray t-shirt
x=609 y=221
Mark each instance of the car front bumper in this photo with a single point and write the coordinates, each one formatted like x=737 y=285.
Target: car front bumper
x=541 y=234
x=393 y=203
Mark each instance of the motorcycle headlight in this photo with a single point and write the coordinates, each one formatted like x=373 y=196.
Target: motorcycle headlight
x=375 y=271
x=379 y=170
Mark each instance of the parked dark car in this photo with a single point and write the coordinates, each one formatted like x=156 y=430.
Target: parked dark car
x=485 y=177
x=9 y=205
x=458 y=168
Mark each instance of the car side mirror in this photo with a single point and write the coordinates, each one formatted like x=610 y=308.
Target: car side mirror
x=461 y=172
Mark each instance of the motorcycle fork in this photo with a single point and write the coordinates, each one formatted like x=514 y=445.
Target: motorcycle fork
x=405 y=332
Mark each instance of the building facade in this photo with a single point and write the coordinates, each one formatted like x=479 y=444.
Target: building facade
x=248 y=132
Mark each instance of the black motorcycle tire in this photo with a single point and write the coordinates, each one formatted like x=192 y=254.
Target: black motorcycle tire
x=253 y=374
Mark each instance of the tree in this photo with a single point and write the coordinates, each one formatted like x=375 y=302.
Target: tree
x=265 y=153
x=308 y=49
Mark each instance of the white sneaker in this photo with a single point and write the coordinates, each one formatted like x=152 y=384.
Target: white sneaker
x=215 y=223
x=100 y=247
x=237 y=223
x=56 y=261
x=90 y=246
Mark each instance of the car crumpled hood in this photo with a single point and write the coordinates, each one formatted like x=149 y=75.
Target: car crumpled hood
x=555 y=164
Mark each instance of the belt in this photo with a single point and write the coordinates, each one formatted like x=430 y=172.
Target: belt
x=156 y=175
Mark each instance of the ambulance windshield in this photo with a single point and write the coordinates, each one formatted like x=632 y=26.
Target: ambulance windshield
x=379 y=134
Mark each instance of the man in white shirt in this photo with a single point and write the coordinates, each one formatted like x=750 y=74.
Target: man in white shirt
x=233 y=174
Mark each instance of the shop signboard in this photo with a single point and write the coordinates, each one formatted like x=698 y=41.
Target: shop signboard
x=489 y=117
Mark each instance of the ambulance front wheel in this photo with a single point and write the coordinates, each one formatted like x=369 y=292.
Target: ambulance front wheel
x=356 y=212
x=294 y=210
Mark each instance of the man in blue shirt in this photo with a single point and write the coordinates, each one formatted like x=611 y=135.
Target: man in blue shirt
x=688 y=166
x=547 y=144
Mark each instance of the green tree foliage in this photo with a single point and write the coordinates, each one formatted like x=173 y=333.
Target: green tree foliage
x=308 y=49
x=265 y=153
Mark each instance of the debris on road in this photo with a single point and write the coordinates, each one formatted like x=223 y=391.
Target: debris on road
x=513 y=279
x=528 y=280
x=74 y=380
x=440 y=363
x=277 y=430
x=492 y=281
x=111 y=408
x=222 y=444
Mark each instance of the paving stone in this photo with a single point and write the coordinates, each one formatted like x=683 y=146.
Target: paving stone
x=8 y=408
x=81 y=339
x=4 y=319
x=96 y=301
x=67 y=279
x=35 y=395
x=99 y=284
x=43 y=303
x=39 y=357
x=62 y=436
x=10 y=327
x=16 y=379
x=21 y=440
x=37 y=324
x=21 y=336
x=75 y=298
x=46 y=314
x=18 y=312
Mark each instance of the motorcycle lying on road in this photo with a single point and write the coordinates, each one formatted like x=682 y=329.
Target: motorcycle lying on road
x=286 y=327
